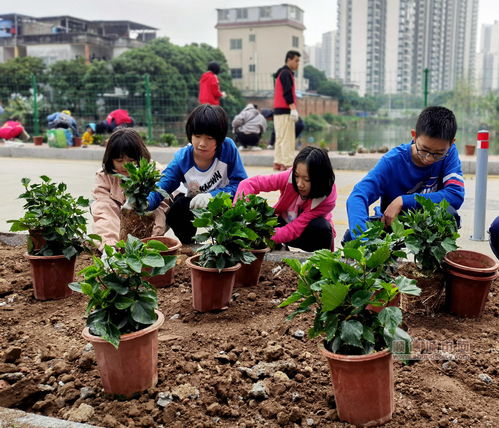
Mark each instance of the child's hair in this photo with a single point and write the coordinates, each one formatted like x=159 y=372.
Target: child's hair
x=124 y=142
x=209 y=120
x=214 y=67
x=320 y=171
x=437 y=122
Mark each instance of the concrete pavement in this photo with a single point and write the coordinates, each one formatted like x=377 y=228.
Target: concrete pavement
x=79 y=176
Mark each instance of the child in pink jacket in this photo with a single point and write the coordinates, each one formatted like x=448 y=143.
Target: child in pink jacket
x=308 y=196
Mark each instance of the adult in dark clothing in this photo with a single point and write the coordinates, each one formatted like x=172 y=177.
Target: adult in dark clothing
x=63 y=120
x=285 y=112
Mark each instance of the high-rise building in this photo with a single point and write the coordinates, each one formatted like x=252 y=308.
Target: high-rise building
x=385 y=45
x=328 y=53
x=255 y=41
x=487 y=63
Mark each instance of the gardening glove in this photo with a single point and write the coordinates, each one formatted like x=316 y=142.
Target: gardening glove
x=127 y=205
x=293 y=114
x=200 y=201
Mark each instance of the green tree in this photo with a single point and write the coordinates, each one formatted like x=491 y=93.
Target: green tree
x=15 y=75
x=331 y=88
x=66 y=80
x=315 y=77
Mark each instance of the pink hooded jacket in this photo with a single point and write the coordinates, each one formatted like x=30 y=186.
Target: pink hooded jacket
x=312 y=208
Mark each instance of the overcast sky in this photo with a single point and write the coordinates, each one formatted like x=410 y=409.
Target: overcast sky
x=186 y=21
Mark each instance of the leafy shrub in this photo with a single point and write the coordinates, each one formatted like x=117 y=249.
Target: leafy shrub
x=121 y=299
x=169 y=139
x=434 y=233
x=260 y=217
x=56 y=215
x=314 y=123
x=339 y=286
x=227 y=233
x=139 y=183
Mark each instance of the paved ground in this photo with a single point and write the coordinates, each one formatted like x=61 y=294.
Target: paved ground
x=78 y=175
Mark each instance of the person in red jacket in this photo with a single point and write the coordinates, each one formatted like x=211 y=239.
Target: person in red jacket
x=285 y=112
x=13 y=129
x=209 y=87
x=114 y=119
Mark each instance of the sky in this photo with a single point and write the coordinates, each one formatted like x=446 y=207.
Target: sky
x=187 y=21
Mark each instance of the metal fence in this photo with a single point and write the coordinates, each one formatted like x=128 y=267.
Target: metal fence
x=155 y=108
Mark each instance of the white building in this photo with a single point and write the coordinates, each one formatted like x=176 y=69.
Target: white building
x=487 y=63
x=255 y=41
x=384 y=45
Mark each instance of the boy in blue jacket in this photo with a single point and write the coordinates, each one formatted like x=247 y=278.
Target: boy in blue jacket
x=428 y=166
x=209 y=165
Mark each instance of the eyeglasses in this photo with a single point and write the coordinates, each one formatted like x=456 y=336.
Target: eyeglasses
x=425 y=154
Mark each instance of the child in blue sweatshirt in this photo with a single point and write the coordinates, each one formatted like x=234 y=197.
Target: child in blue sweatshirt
x=209 y=165
x=428 y=166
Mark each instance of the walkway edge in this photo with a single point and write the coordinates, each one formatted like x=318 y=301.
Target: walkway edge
x=163 y=155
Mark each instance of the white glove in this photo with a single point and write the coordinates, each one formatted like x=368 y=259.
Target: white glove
x=293 y=114
x=200 y=201
x=224 y=94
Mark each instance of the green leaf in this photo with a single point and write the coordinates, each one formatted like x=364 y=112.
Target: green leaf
x=351 y=332
x=407 y=286
x=293 y=264
x=123 y=302
x=153 y=260
x=143 y=313
x=333 y=295
x=379 y=257
x=368 y=334
x=361 y=298
x=352 y=253
x=134 y=263
x=156 y=245
x=390 y=318
x=291 y=299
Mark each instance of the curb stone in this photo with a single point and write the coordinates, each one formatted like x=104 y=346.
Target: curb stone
x=19 y=419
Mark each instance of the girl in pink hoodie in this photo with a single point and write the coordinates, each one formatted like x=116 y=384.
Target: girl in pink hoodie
x=308 y=196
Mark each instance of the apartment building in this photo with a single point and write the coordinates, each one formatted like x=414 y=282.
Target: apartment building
x=487 y=62
x=255 y=41
x=55 y=38
x=383 y=46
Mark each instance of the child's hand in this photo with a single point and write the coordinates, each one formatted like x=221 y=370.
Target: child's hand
x=200 y=201
x=392 y=211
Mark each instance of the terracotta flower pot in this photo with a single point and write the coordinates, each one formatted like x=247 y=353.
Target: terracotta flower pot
x=363 y=386
x=174 y=245
x=249 y=274
x=38 y=140
x=469 y=149
x=131 y=368
x=51 y=276
x=471 y=263
x=211 y=289
x=76 y=141
x=467 y=294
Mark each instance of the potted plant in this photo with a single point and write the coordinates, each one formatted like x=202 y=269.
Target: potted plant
x=261 y=219
x=358 y=343
x=434 y=233
x=38 y=140
x=214 y=267
x=173 y=247
x=57 y=234
x=123 y=322
x=142 y=179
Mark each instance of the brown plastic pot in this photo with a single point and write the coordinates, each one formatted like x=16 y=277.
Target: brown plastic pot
x=249 y=274
x=131 y=368
x=363 y=386
x=76 y=141
x=469 y=149
x=38 y=140
x=174 y=245
x=51 y=276
x=471 y=263
x=467 y=294
x=211 y=289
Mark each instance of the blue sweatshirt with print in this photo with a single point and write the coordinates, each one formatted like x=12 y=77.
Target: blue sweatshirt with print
x=223 y=175
x=397 y=175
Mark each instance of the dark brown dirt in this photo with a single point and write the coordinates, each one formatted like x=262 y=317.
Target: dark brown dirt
x=205 y=362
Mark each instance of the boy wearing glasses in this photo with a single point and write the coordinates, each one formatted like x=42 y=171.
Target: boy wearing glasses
x=429 y=166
